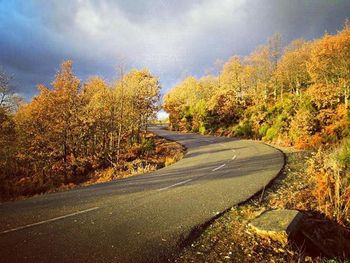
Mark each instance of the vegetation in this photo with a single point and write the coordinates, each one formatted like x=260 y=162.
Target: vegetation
x=68 y=132
x=294 y=96
x=231 y=239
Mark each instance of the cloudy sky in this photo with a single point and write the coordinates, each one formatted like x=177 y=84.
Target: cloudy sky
x=173 y=38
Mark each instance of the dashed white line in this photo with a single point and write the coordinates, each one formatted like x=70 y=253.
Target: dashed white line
x=180 y=183
x=47 y=221
x=217 y=168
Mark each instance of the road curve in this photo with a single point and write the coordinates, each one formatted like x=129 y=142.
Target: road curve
x=143 y=218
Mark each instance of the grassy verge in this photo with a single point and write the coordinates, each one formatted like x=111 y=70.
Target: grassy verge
x=150 y=154
x=161 y=153
x=321 y=238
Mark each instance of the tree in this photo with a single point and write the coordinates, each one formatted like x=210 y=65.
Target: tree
x=65 y=115
x=140 y=92
x=275 y=49
x=291 y=73
x=5 y=89
x=7 y=143
x=96 y=116
x=262 y=68
x=330 y=60
x=180 y=103
x=232 y=78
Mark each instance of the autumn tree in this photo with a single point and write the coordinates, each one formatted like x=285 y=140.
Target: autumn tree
x=330 y=60
x=140 y=93
x=96 y=116
x=291 y=73
x=262 y=68
x=7 y=143
x=5 y=89
x=244 y=101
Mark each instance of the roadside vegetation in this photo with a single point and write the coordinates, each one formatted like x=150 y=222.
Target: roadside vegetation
x=231 y=239
x=295 y=97
x=79 y=133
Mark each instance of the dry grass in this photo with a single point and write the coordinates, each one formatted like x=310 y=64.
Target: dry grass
x=151 y=154
x=331 y=183
x=229 y=238
x=164 y=153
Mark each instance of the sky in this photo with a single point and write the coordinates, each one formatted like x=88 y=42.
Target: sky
x=173 y=38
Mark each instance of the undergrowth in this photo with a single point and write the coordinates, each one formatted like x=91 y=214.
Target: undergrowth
x=315 y=183
x=150 y=154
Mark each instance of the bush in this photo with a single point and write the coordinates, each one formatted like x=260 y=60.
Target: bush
x=263 y=130
x=303 y=125
x=244 y=129
x=329 y=172
x=169 y=160
x=147 y=145
x=202 y=129
x=344 y=155
x=271 y=133
x=279 y=126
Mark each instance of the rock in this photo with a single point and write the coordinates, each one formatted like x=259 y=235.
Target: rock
x=277 y=224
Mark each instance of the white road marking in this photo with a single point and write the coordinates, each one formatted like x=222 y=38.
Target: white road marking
x=183 y=182
x=217 y=168
x=47 y=221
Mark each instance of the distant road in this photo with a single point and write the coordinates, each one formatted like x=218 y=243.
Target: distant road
x=142 y=218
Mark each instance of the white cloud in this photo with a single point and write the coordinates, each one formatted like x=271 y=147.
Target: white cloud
x=164 y=44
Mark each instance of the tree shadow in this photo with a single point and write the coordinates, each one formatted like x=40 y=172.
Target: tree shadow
x=321 y=237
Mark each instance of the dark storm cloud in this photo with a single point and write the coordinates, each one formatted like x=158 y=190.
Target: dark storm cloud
x=172 y=38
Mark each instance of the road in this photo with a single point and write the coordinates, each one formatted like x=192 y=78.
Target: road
x=143 y=218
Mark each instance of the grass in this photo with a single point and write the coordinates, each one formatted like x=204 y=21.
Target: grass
x=158 y=153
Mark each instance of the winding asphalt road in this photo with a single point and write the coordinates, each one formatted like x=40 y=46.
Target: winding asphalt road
x=143 y=218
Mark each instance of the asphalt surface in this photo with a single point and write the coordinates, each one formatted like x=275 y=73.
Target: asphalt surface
x=139 y=219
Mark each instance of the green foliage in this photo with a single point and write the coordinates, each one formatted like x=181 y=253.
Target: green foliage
x=300 y=94
x=278 y=127
x=263 y=130
x=344 y=154
x=346 y=132
x=244 y=129
x=271 y=133
x=147 y=145
x=202 y=129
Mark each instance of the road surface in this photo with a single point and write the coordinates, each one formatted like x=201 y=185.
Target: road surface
x=143 y=218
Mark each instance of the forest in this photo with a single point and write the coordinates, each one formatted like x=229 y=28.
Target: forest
x=72 y=129
x=297 y=95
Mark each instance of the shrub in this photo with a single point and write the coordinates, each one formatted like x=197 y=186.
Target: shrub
x=263 y=130
x=244 y=129
x=271 y=133
x=202 y=129
x=344 y=155
x=303 y=125
x=169 y=160
x=329 y=172
x=140 y=167
x=147 y=145
x=316 y=140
